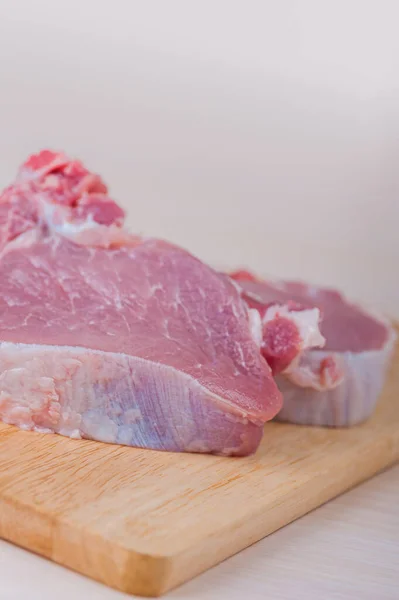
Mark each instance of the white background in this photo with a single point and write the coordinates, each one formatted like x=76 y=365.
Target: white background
x=259 y=133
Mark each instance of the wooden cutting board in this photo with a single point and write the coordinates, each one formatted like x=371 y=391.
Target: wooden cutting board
x=144 y=521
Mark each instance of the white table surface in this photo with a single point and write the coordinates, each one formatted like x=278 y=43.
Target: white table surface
x=347 y=549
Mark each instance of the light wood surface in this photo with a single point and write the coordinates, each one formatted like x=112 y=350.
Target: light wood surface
x=143 y=521
x=348 y=549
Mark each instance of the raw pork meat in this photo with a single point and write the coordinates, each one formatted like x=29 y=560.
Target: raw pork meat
x=116 y=338
x=339 y=384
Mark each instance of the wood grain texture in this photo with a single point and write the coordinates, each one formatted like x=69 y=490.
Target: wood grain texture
x=144 y=522
x=347 y=549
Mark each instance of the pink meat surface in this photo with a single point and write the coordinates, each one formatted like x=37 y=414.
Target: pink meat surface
x=338 y=384
x=116 y=338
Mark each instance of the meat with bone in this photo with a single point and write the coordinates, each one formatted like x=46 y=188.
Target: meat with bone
x=337 y=384
x=289 y=329
x=107 y=336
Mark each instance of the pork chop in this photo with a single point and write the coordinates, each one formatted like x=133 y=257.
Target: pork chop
x=339 y=383
x=116 y=338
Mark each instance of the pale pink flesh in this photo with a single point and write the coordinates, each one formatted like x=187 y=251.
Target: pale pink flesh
x=120 y=339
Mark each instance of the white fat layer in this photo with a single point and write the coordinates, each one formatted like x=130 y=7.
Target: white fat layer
x=350 y=402
x=25 y=240
x=304 y=372
x=306 y=321
x=255 y=326
x=85 y=233
x=37 y=349
x=65 y=228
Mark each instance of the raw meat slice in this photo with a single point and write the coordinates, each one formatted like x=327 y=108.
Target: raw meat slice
x=134 y=342
x=339 y=384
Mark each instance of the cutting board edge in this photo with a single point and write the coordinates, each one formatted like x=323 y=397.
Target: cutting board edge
x=152 y=574
x=174 y=582
x=184 y=562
